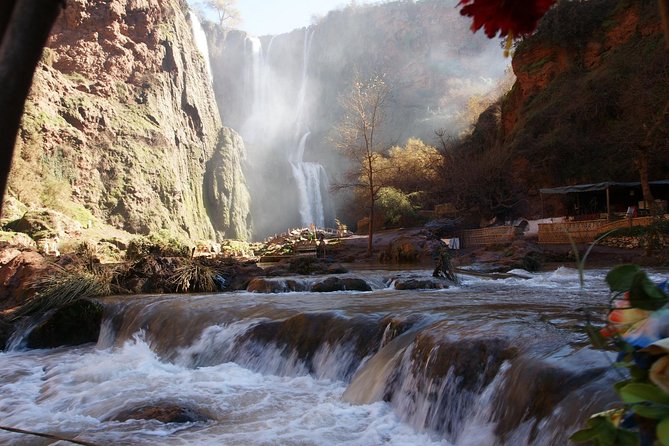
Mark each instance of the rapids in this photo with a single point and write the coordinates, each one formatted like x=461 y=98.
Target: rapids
x=484 y=363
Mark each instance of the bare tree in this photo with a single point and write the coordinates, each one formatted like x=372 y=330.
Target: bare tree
x=24 y=28
x=358 y=140
x=228 y=14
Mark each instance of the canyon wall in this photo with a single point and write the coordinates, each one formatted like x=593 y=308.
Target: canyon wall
x=122 y=126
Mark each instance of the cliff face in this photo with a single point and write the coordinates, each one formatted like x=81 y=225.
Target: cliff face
x=589 y=85
x=122 y=120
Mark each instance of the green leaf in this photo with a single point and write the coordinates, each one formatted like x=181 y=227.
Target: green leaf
x=620 y=277
x=620 y=384
x=583 y=435
x=600 y=431
x=654 y=412
x=626 y=438
x=663 y=432
x=640 y=393
x=644 y=294
x=638 y=374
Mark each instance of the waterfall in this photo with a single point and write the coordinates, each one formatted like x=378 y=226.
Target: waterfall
x=276 y=129
x=311 y=178
x=302 y=94
x=201 y=41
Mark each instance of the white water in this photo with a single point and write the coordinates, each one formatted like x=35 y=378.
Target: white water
x=201 y=41
x=275 y=115
x=311 y=178
x=312 y=183
x=258 y=393
x=73 y=392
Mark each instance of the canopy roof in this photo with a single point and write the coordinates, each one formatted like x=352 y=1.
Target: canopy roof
x=596 y=186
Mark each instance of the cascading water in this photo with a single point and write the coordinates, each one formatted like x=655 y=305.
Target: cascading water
x=312 y=184
x=484 y=364
x=201 y=41
x=275 y=127
x=311 y=178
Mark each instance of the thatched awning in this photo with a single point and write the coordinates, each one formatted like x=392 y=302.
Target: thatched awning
x=597 y=186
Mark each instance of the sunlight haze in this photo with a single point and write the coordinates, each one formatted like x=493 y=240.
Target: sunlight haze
x=260 y=17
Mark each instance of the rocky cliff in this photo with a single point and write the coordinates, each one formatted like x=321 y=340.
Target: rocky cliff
x=122 y=124
x=590 y=84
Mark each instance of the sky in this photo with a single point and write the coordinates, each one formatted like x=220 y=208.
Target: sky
x=260 y=17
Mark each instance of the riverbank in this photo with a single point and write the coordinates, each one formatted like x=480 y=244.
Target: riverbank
x=397 y=247
x=33 y=284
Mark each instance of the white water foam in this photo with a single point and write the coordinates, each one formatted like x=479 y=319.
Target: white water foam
x=76 y=392
x=201 y=42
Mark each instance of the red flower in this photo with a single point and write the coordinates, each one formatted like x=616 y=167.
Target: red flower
x=508 y=17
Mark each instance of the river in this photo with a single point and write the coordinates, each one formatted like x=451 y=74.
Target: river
x=484 y=363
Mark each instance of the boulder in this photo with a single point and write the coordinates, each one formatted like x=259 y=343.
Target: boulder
x=6 y=330
x=8 y=254
x=163 y=412
x=420 y=284
x=261 y=285
x=74 y=324
x=12 y=209
x=411 y=249
x=338 y=284
x=305 y=266
x=239 y=275
x=17 y=240
x=44 y=223
x=520 y=254
x=16 y=276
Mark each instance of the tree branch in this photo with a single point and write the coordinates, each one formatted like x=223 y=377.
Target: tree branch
x=25 y=34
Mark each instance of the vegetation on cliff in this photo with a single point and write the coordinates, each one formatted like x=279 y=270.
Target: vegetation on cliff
x=590 y=84
x=121 y=125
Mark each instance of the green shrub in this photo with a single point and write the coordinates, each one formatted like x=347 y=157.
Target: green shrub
x=395 y=205
x=161 y=243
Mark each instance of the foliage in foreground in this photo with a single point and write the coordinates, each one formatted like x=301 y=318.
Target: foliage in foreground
x=193 y=276
x=55 y=291
x=638 y=328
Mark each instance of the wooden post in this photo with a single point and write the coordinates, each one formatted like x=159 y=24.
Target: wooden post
x=608 y=203
x=542 y=204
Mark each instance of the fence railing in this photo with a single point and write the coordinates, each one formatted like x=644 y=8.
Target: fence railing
x=583 y=231
x=487 y=236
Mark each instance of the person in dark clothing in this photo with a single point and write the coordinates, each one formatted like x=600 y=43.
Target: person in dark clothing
x=444 y=267
x=320 y=249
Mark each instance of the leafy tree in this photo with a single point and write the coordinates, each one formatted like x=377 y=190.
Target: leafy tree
x=357 y=139
x=395 y=205
x=412 y=169
x=228 y=14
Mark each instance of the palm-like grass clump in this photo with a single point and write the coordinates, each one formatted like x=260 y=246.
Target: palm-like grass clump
x=59 y=290
x=194 y=277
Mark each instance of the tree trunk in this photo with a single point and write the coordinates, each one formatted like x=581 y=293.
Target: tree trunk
x=6 y=8
x=370 y=232
x=642 y=162
x=25 y=33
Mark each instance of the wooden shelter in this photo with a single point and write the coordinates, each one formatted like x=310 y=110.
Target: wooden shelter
x=609 y=197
